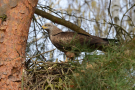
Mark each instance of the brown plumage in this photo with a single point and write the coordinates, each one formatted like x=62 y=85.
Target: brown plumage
x=72 y=43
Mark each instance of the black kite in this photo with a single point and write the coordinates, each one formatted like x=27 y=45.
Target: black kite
x=71 y=42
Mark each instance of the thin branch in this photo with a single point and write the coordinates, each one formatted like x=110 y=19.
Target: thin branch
x=125 y=14
x=109 y=12
x=42 y=53
x=60 y=21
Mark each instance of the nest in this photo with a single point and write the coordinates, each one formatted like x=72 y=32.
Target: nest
x=41 y=75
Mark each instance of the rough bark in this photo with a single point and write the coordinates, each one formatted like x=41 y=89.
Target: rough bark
x=13 y=38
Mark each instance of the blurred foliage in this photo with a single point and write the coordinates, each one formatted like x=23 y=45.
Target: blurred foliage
x=113 y=70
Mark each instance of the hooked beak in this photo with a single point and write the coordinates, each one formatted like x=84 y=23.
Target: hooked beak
x=44 y=27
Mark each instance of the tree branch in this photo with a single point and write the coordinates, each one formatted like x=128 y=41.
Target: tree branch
x=60 y=21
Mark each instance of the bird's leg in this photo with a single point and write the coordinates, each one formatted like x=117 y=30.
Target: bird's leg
x=66 y=59
x=69 y=55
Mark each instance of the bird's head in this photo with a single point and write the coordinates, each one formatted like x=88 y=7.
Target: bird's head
x=51 y=29
x=48 y=27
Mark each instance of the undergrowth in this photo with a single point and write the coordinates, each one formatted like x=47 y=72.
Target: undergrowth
x=114 y=70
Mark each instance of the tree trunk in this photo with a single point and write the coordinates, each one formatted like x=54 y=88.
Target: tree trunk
x=13 y=38
x=133 y=16
x=115 y=15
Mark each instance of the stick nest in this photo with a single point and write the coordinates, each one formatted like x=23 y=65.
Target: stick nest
x=40 y=75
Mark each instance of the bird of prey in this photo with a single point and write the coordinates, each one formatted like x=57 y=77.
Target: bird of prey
x=72 y=43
